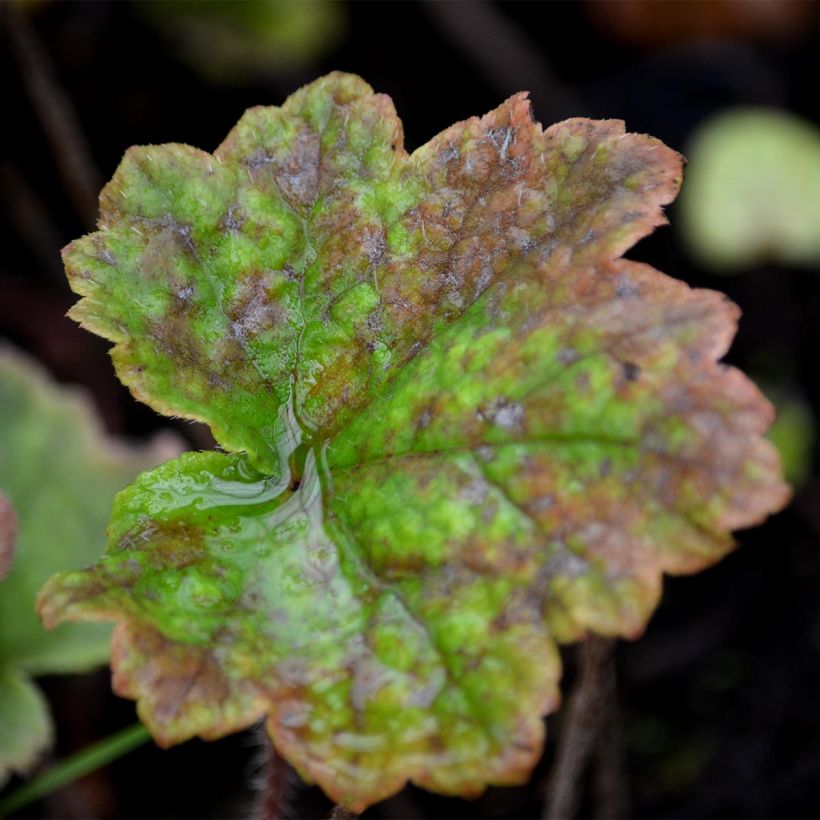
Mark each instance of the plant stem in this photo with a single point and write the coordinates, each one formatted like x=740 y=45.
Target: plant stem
x=32 y=222
x=586 y=715
x=76 y=766
x=341 y=813
x=610 y=784
x=505 y=54
x=57 y=116
x=274 y=783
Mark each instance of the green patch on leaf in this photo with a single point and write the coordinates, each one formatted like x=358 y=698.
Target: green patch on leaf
x=460 y=430
x=60 y=472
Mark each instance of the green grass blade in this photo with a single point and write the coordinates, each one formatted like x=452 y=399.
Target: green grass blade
x=72 y=768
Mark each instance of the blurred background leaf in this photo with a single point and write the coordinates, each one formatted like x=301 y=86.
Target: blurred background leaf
x=793 y=433
x=650 y=23
x=60 y=472
x=233 y=42
x=752 y=192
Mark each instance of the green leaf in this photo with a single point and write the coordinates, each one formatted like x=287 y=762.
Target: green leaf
x=793 y=433
x=751 y=193
x=60 y=472
x=26 y=724
x=462 y=430
x=231 y=42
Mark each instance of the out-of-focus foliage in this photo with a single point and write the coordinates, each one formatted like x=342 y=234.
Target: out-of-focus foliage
x=654 y=23
x=463 y=429
x=233 y=41
x=793 y=433
x=60 y=472
x=752 y=190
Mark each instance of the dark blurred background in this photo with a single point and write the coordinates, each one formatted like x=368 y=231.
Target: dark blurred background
x=719 y=701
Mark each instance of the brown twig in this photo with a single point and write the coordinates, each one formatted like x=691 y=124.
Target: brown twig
x=55 y=112
x=274 y=784
x=585 y=717
x=610 y=785
x=505 y=54
x=32 y=221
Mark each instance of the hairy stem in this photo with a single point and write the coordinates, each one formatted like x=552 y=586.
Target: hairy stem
x=585 y=718
x=274 y=782
x=610 y=785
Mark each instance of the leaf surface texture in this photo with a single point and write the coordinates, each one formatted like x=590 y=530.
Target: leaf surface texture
x=459 y=430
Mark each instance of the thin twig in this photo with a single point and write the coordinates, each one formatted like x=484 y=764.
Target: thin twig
x=580 y=731
x=56 y=114
x=610 y=784
x=32 y=221
x=274 y=783
x=505 y=54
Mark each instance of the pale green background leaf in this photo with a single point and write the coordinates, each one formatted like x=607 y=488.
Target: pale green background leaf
x=60 y=471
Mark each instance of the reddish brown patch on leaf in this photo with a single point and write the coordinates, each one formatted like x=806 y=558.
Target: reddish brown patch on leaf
x=8 y=535
x=181 y=688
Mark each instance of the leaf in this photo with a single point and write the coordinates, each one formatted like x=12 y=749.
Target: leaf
x=751 y=194
x=60 y=472
x=27 y=727
x=229 y=42
x=462 y=431
x=793 y=433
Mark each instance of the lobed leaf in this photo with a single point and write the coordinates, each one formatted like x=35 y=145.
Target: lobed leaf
x=60 y=472
x=461 y=429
